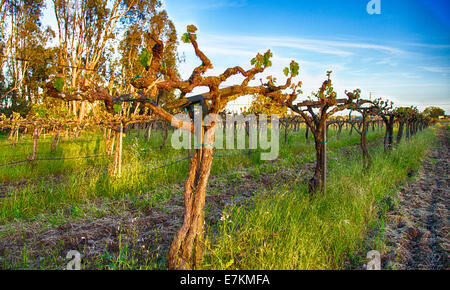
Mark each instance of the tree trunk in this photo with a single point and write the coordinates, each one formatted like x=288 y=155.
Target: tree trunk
x=17 y=135
x=388 y=136
x=55 y=141
x=307 y=132
x=286 y=126
x=35 y=141
x=110 y=142
x=166 y=134
x=117 y=167
x=186 y=250
x=400 y=131
x=11 y=133
x=367 y=160
x=340 y=124
x=148 y=132
x=407 y=129
x=316 y=182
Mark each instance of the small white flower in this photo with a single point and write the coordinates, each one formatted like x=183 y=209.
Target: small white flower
x=224 y=217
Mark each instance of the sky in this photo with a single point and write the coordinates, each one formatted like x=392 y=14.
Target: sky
x=401 y=54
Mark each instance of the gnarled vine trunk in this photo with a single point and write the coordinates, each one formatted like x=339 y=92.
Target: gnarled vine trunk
x=55 y=141
x=388 y=136
x=186 y=250
x=316 y=183
x=365 y=151
x=165 y=131
x=401 y=125
x=35 y=141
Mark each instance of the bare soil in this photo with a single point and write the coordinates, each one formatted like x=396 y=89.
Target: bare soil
x=417 y=231
x=146 y=233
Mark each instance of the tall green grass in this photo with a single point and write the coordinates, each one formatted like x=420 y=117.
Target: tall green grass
x=286 y=229
x=83 y=188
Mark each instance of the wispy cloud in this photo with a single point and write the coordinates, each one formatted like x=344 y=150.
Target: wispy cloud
x=333 y=47
x=356 y=64
x=429 y=45
x=437 y=69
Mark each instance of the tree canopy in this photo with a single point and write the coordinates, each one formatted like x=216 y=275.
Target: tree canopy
x=434 y=112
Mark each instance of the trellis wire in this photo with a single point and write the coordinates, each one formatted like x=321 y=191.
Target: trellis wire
x=53 y=158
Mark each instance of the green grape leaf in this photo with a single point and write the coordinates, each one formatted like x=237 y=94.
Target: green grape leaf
x=294 y=68
x=145 y=58
x=266 y=59
x=117 y=108
x=286 y=71
x=186 y=38
x=58 y=84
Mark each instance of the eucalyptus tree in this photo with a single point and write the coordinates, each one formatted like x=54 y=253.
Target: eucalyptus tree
x=23 y=53
x=433 y=112
x=87 y=31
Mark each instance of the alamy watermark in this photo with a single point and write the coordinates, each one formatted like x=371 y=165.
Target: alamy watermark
x=374 y=260
x=74 y=260
x=374 y=7
x=256 y=128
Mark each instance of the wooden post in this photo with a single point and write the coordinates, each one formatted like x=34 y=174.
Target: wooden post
x=11 y=134
x=307 y=133
x=114 y=137
x=17 y=135
x=286 y=125
x=55 y=141
x=35 y=140
x=119 y=145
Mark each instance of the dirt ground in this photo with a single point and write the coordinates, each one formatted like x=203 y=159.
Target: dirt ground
x=146 y=234
x=417 y=231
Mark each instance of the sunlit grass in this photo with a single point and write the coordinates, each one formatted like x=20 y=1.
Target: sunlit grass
x=286 y=229
x=282 y=228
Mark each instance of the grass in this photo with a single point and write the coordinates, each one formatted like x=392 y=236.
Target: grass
x=58 y=186
x=281 y=228
x=286 y=229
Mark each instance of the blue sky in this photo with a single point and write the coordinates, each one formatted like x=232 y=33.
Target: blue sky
x=403 y=54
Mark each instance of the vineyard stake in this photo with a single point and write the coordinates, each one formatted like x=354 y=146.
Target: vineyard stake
x=119 y=165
